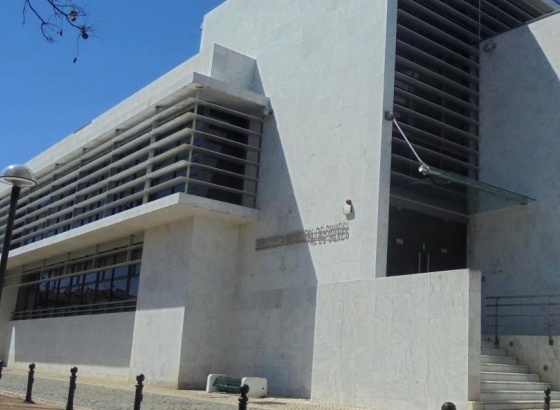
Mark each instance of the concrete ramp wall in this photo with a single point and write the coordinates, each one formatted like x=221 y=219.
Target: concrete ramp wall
x=407 y=342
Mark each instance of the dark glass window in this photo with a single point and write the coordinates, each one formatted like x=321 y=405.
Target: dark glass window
x=95 y=284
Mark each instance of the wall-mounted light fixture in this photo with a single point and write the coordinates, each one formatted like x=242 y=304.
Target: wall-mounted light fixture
x=488 y=46
x=348 y=208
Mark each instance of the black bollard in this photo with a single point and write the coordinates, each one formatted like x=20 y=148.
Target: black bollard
x=138 y=396
x=30 y=383
x=71 y=388
x=1 y=367
x=547 y=398
x=448 y=406
x=243 y=398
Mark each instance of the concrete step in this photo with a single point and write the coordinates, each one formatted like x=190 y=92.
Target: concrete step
x=486 y=359
x=520 y=405
x=510 y=377
x=492 y=386
x=491 y=351
x=506 y=385
x=488 y=343
x=500 y=396
x=503 y=368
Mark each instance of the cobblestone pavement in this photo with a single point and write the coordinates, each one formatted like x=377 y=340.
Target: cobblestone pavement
x=9 y=401
x=98 y=394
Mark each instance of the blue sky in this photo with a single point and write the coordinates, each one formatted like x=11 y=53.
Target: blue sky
x=44 y=96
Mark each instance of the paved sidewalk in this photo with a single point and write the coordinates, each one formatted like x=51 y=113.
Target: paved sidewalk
x=99 y=394
x=13 y=401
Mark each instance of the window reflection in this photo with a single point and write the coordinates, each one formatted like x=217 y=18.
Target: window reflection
x=82 y=286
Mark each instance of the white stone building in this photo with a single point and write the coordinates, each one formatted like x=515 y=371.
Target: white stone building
x=199 y=227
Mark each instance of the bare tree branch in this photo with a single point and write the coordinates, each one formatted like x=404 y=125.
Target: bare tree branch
x=55 y=15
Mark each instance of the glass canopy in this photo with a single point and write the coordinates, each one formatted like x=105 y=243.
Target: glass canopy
x=452 y=193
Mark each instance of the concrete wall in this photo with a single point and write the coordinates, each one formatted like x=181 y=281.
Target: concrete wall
x=316 y=319
x=208 y=325
x=100 y=345
x=407 y=342
x=325 y=142
x=517 y=248
x=535 y=352
x=162 y=297
x=7 y=306
x=273 y=316
x=183 y=318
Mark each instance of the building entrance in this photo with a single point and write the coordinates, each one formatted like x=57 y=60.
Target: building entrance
x=423 y=243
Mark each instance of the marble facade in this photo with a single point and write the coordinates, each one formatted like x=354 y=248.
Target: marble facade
x=294 y=290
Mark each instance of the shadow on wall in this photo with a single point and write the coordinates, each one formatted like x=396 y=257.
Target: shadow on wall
x=67 y=341
x=275 y=294
x=208 y=300
x=516 y=248
x=258 y=318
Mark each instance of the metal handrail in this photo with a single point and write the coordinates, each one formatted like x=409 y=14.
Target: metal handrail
x=548 y=301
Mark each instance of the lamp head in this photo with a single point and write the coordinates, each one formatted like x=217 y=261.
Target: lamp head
x=18 y=175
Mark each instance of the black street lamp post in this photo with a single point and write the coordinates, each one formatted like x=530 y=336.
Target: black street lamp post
x=18 y=176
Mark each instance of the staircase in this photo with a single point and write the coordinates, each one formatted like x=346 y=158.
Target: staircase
x=506 y=385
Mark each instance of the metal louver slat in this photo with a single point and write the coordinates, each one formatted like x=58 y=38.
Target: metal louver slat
x=437 y=123
x=430 y=153
x=441 y=19
x=137 y=163
x=437 y=109
x=405 y=18
x=430 y=59
x=461 y=89
x=436 y=91
x=434 y=46
x=506 y=18
x=415 y=132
